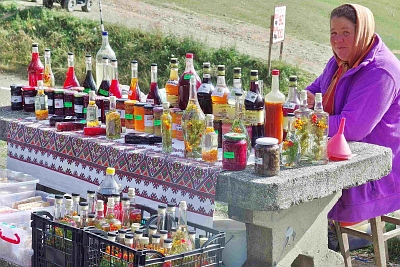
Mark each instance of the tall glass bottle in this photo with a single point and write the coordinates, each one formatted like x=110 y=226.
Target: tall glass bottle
x=172 y=88
x=209 y=142
x=115 y=89
x=254 y=105
x=161 y=217
x=301 y=127
x=220 y=95
x=107 y=187
x=237 y=87
x=35 y=67
x=170 y=222
x=99 y=221
x=126 y=224
x=135 y=216
x=58 y=207
x=104 y=88
x=292 y=102
x=273 y=109
x=134 y=90
x=71 y=80
x=193 y=124
x=237 y=124
x=319 y=122
x=41 y=105
x=92 y=119
x=166 y=129
x=89 y=83
x=184 y=82
x=205 y=90
x=48 y=76
x=105 y=50
x=290 y=150
x=153 y=96
x=113 y=121
x=182 y=232
x=111 y=218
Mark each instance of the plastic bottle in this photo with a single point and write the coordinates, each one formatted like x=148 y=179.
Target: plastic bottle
x=71 y=80
x=107 y=187
x=115 y=89
x=105 y=50
x=35 y=67
x=184 y=81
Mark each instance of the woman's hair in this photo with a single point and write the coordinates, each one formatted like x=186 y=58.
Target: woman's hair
x=346 y=11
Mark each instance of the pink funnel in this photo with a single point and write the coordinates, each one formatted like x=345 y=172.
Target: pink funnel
x=337 y=147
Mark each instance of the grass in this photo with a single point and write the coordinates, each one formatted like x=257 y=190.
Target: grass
x=62 y=33
x=305 y=20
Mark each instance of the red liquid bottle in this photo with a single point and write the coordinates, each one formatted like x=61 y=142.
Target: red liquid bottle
x=104 y=88
x=115 y=89
x=35 y=67
x=89 y=84
x=71 y=80
x=154 y=95
x=134 y=90
x=184 y=82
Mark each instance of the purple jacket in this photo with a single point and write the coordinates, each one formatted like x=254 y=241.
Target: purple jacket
x=368 y=97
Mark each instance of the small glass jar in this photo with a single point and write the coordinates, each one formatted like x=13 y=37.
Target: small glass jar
x=234 y=152
x=121 y=109
x=173 y=115
x=99 y=104
x=178 y=120
x=50 y=99
x=129 y=111
x=157 y=112
x=148 y=119
x=59 y=102
x=139 y=116
x=267 y=156
x=29 y=93
x=16 y=97
x=69 y=103
x=78 y=105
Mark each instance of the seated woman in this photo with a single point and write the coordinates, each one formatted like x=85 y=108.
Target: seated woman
x=361 y=83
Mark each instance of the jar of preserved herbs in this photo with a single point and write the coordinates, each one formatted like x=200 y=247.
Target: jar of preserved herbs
x=69 y=109
x=157 y=112
x=234 y=151
x=129 y=114
x=267 y=157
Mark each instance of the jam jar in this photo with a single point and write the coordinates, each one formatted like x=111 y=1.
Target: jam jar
x=129 y=110
x=99 y=104
x=50 y=99
x=16 y=97
x=29 y=93
x=139 y=116
x=59 y=102
x=121 y=110
x=267 y=156
x=234 y=152
x=69 y=109
x=78 y=105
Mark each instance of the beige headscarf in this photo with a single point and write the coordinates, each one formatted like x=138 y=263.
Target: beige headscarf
x=363 y=42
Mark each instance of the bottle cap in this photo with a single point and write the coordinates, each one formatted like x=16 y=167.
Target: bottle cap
x=47 y=50
x=189 y=55
x=109 y=170
x=292 y=78
x=165 y=105
x=161 y=207
x=275 y=72
x=111 y=234
x=266 y=141
x=83 y=204
x=70 y=54
x=237 y=70
x=91 y=216
x=192 y=232
x=75 y=195
x=318 y=97
x=88 y=55
x=121 y=231
x=58 y=197
x=221 y=70
x=134 y=227
x=290 y=114
x=104 y=33
x=182 y=205
x=171 y=205
x=163 y=232
x=153 y=227
x=91 y=192
x=35 y=44
x=238 y=93
x=138 y=232
x=206 y=65
x=254 y=73
x=105 y=58
x=134 y=61
x=174 y=60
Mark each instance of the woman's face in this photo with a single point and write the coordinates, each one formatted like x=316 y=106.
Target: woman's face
x=342 y=36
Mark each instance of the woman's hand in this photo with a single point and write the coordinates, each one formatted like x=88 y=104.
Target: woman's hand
x=310 y=99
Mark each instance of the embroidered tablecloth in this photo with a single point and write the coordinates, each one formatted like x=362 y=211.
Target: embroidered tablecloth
x=157 y=177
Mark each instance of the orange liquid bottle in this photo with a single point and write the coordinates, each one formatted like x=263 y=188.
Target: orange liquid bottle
x=220 y=95
x=134 y=90
x=172 y=88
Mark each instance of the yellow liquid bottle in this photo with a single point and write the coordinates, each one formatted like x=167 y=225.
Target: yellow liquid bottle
x=220 y=95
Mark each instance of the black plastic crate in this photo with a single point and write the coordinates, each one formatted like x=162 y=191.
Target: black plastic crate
x=100 y=252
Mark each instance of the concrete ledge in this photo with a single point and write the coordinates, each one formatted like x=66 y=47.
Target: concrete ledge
x=246 y=190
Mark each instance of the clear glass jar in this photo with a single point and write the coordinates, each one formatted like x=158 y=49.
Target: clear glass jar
x=209 y=142
x=234 y=151
x=148 y=119
x=267 y=156
x=157 y=112
x=139 y=116
x=166 y=129
x=129 y=111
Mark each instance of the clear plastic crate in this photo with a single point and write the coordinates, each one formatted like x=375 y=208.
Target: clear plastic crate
x=12 y=182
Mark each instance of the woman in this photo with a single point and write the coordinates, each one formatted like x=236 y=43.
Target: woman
x=361 y=83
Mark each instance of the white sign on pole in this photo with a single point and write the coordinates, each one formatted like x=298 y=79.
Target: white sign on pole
x=279 y=24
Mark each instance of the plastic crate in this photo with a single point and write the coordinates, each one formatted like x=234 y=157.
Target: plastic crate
x=99 y=251
x=16 y=182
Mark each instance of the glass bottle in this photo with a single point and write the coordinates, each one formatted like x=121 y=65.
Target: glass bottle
x=128 y=241
x=92 y=119
x=89 y=84
x=71 y=80
x=121 y=236
x=135 y=215
x=155 y=242
x=237 y=124
x=137 y=237
x=170 y=216
x=167 y=246
x=105 y=50
x=126 y=224
x=319 y=122
x=144 y=243
x=184 y=82
x=237 y=87
x=163 y=236
x=107 y=187
x=205 y=90
x=75 y=204
x=166 y=129
x=193 y=124
x=292 y=102
x=290 y=152
x=41 y=104
x=152 y=231
x=134 y=89
x=301 y=127
x=111 y=219
x=161 y=217
x=115 y=89
x=68 y=209
x=35 y=67
x=209 y=142
x=254 y=105
x=117 y=206
x=91 y=200
x=99 y=221
x=182 y=233
x=273 y=109
x=220 y=95
x=84 y=213
x=91 y=218
x=76 y=221
x=113 y=120
x=58 y=207
x=153 y=96
x=48 y=76
x=104 y=88
x=172 y=88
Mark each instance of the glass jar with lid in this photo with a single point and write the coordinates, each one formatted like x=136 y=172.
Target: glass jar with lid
x=267 y=156
x=139 y=116
x=148 y=119
x=129 y=112
x=234 y=151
